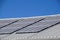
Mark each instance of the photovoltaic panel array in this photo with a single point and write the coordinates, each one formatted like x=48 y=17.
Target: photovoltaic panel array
x=30 y=25
x=22 y=23
x=40 y=26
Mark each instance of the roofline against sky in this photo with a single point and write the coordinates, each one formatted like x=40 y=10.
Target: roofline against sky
x=30 y=17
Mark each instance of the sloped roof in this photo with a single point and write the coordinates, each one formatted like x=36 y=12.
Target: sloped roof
x=40 y=27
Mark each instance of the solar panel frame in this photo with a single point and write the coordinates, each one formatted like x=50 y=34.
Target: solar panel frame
x=58 y=22
x=22 y=27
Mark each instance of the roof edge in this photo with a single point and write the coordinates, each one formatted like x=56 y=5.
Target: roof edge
x=30 y=17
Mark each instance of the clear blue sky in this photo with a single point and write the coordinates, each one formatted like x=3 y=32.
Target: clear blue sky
x=27 y=8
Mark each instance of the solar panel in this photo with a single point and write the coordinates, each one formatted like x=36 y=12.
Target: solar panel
x=22 y=23
x=4 y=23
x=42 y=25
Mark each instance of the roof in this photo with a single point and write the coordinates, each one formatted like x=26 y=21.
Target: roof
x=39 y=27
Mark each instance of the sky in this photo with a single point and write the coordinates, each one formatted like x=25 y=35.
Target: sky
x=28 y=8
